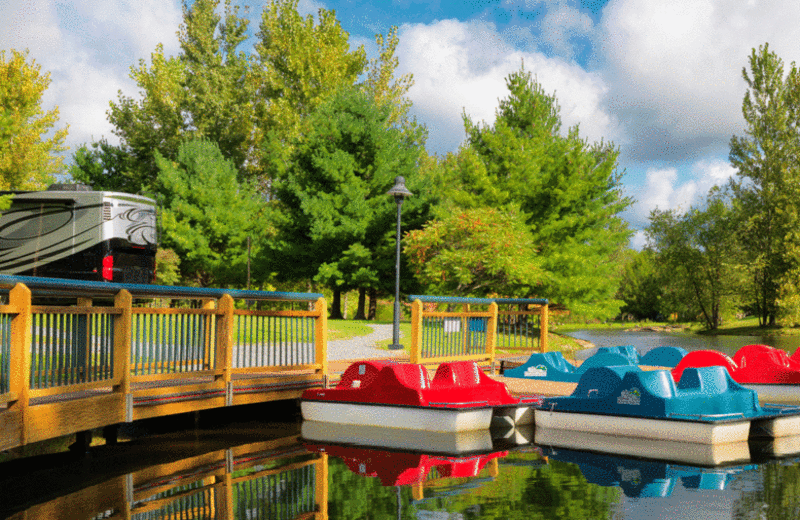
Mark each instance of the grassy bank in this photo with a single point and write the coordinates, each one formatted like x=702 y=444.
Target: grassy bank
x=737 y=327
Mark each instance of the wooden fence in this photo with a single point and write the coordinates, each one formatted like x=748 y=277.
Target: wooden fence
x=477 y=330
x=67 y=369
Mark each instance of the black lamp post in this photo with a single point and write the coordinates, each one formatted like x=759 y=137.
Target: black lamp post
x=399 y=192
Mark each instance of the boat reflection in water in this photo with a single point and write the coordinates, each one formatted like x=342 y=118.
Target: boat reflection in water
x=645 y=478
x=399 y=458
x=273 y=479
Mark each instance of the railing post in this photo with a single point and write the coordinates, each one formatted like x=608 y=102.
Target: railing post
x=84 y=339
x=416 y=332
x=491 y=333
x=123 y=350
x=321 y=337
x=223 y=354
x=209 y=304
x=20 y=362
x=543 y=318
x=465 y=329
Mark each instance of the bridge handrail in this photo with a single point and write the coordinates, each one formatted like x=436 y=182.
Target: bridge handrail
x=61 y=356
x=433 y=332
x=87 y=289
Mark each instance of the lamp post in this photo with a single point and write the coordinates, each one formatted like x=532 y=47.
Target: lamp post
x=399 y=192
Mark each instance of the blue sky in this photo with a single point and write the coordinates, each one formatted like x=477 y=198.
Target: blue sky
x=659 y=78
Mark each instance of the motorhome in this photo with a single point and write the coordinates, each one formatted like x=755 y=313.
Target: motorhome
x=70 y=231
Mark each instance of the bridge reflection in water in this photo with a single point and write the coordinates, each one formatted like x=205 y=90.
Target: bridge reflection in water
x=275 y=479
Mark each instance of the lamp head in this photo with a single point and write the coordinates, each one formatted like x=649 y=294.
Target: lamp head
x=399 y=190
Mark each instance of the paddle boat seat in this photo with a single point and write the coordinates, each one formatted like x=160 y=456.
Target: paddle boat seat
x=552 y=366
x=663 y=357
x=752 y=364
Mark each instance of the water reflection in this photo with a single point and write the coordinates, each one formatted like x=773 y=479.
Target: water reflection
x=645 y=478
x=280 y=473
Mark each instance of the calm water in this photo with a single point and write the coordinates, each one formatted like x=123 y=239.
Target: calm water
x=647 y=340
x=264 y=470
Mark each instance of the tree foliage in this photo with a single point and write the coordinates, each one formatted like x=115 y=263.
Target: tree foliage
x=567 y=189
x=767 y=189
x=207 y=215
x=332 y=198
x=476 y=252
x=642 y=286
x=27 y=157
x=700 y=255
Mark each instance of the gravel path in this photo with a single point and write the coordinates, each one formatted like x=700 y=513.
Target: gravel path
x=363 y=347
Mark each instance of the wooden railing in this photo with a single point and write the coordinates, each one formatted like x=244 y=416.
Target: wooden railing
x=66 y=369
x=273 y=479
x=477 y=330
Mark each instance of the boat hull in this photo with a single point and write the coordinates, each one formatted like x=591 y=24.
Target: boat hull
x=394 y=416
x=458 y=443
x=656 y=429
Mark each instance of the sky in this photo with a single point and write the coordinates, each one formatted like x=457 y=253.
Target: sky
x=661 y=79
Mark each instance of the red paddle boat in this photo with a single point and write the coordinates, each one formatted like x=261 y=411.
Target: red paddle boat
x=460 y=397
x=769 y=371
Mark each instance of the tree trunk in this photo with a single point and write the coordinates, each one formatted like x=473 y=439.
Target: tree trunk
x=336 y=305
x=362 y=299
x=373 y=304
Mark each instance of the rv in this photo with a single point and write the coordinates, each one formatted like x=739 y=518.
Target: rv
x=70 y=231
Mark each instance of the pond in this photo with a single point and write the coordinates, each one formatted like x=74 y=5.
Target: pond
x=267 y=470
x=645 y=340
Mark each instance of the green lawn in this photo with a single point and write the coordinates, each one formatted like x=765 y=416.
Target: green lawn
x=346 y=329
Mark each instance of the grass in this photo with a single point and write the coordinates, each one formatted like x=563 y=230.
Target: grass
x=735 y=327
x=347 y=329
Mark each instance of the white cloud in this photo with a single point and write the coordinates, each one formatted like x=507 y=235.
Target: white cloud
x=88 y=47
x=460 y=66
x=674 y=68
x=664 y=191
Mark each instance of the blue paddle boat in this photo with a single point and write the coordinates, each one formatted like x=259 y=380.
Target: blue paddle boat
x=706 y=406
x=553 y=366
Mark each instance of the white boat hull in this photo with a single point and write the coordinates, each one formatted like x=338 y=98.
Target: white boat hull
x=781 y=426
x=398 y=438
x=656 y=429
x=408 y=418
x=694 y=454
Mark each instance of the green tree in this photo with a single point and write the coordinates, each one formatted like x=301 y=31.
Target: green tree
x=207 y=91
x=699 y=256
x=27 y=159
x=208 y=215
x=567 y=188
x=642 y=286
x=477 y=252
x=767 y=187
x=332 y=195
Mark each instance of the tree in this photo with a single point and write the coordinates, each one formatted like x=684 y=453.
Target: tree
x=567 y=189
x=767 y=189
x=642 y=286
x=207 y=91
x=208 y=215
x=699 y=256
x=27 y=158
x=477 y=252
x=332 y=195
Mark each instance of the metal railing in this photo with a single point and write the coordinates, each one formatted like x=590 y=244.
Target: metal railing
x=477 y=329
x=5 y=350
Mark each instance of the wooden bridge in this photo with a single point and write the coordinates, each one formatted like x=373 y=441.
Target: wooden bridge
x=118 y=353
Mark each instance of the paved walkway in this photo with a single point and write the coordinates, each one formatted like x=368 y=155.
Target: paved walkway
x=363 y=347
